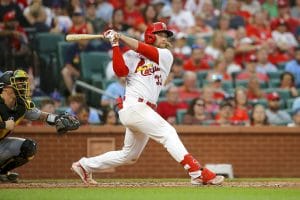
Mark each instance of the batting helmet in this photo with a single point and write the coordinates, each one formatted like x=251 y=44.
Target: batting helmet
x=156 y=28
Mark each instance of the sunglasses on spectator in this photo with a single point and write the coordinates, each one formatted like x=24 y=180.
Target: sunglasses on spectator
x=199 y=104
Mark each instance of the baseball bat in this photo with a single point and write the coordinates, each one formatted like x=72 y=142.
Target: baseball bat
x=76 y=37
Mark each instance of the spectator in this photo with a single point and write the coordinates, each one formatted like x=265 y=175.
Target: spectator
x=149 y=17
x=295 y=11
x=208 y=95
x=223 y=118
x=224 y=27
x=211 y=13
x=71 y=70
x=83 y=114
x=294 y=66
x=217 y=45
x=48 y=106
x=296 y=104
x=220 y=69
x=74 y=6
x=194 y=6
x=132 y=15
x=180 y=47
x=215 y=82
x=258 y=116
x=110 y=117
x=259 y=29
x=168 y=108
x=189 y=88
x=183 y=19
x=80 y=26
x=198 y=60
x=251 y=6
x=115 y=89
x=97 y=23
x=236 y=16
x=104 y=10
x=57 y=99
x=159 y=6
x=76 y=102
x=240 y=113
x=263 y=65
x=231 y=65
x=283 y=37
x=14 y=44
x=250 y=71
x=8 y=6
x=254 y=91
x=177 y=70
x=38 y=16
x=196 y=114
x=200 y=29
x=287 y=81
x=62 y=21
x=274 y=114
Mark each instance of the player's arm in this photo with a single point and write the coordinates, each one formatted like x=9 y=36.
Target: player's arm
x=63 y=122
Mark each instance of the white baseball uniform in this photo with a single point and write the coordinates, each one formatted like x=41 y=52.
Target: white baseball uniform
x=143 y=85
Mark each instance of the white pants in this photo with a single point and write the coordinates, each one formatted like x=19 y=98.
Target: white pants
x=142 y=123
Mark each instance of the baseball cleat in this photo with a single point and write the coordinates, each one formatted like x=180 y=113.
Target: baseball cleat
x=208 y=178
x=10 y=177
x=85 y=176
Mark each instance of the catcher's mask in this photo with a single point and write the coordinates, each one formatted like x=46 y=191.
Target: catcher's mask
x=18 y=80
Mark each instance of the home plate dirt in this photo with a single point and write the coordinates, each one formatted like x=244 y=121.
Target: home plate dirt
x=148 y=184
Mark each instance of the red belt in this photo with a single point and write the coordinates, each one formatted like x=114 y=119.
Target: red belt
x=151 y=105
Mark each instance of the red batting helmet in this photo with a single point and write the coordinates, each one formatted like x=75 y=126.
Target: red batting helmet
x=155 y=28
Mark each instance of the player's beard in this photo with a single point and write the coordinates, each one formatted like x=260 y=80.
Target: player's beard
x=166 y=45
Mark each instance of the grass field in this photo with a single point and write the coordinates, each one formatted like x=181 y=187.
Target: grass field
x=154 y=189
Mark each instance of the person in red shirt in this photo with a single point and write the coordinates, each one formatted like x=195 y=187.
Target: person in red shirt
x=132 y=16
x=189 y=88
x=254 y=91
x=80 y=26
x=197 y=61
x=168 y=108
x=240 y=113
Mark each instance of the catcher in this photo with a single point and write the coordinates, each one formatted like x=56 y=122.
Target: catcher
x=16 y=104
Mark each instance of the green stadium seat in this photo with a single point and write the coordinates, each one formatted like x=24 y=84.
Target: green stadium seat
x=61 y=109
x=201 y=77
x=241 y=83
x=227 y=85
x=180 y=115
x=283 y=93
x=178 y=81
x=38 y=100
x=191 y=40
x=93 y=65
x=281 y=65
x=274 y=83
x=62 y=48
x=275 y=75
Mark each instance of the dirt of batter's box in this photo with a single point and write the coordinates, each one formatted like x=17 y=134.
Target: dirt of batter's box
x=151 y=184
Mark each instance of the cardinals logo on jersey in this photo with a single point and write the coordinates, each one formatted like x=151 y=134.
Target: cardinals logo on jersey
x=146 y=69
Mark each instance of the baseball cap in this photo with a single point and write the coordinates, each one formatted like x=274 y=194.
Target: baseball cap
x=282 y=3
x=273 y=96
x=9 y=16
x=56 y=96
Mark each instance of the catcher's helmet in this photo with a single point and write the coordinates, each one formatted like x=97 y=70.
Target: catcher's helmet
x=156 y=28
x=18 y=80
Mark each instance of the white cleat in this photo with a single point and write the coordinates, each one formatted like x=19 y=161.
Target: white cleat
x=85 y=176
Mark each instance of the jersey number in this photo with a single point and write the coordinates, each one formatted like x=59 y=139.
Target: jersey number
x=158 y=79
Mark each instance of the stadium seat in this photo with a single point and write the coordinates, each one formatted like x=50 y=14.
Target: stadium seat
x=289 y=103
x=227 y=85
x=263 y=102
x=274 y=83
x=180 y=115
x=191 y=40
x=93 y=65
x=283 y=93
x=178 y=81
x=201 y=77
x=62 y=48
x=37 y=100
x=281 y=66
x=275 y=75
x=241 y=83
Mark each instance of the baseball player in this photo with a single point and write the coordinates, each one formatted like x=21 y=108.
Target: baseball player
x=16 y=104
x=146 y=67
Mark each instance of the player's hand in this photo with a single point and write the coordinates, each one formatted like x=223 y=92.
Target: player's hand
x=112 y=36
x=10 y=124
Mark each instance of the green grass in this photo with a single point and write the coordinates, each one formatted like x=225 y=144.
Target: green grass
x=206 y=193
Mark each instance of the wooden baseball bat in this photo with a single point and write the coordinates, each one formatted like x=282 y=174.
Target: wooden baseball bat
x=76 y=37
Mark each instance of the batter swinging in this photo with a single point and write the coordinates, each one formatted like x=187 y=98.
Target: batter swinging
x=146 y=67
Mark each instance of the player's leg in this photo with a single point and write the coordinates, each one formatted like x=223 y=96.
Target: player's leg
x=14 y=152
x=146 y=120
x=134 y=144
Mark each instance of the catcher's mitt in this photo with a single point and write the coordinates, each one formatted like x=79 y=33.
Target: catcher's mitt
x=66 y=122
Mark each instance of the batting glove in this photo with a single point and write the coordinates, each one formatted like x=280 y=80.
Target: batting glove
x=112 y=36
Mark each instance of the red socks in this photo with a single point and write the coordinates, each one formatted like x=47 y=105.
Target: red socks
x=190 y=163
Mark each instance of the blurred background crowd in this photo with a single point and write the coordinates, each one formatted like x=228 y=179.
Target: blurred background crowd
x=237 y=62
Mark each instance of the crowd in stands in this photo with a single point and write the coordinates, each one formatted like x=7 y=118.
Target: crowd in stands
x=236 y=62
